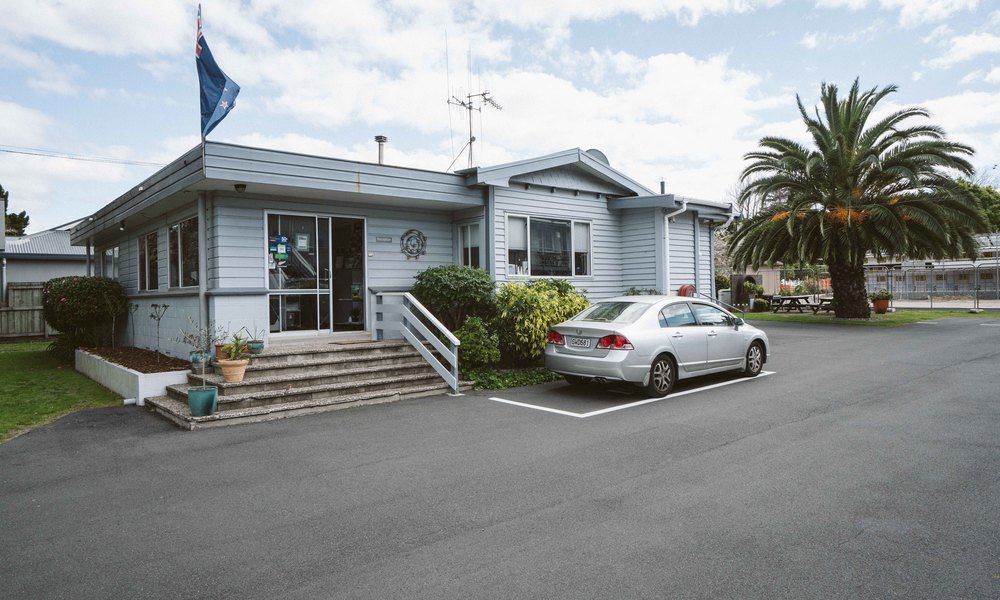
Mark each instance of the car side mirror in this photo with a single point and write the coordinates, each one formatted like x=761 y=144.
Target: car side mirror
x=738 y=322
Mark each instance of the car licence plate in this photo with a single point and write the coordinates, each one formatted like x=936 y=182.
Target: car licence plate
x=580 y=342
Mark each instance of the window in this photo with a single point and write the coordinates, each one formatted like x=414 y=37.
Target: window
x=149 y=272
x=985 y=275
x=469 y=243
x=677 y=315
x=110 y=266
x=963 y=276
x=939 y=277
x=184 y=253
x=613 y=312
x=919 y=278
x=542 y=247
x=709 y=315
x=880 y=278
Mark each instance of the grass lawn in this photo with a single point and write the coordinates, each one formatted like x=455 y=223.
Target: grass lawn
x=900 y=317
x=35 y=389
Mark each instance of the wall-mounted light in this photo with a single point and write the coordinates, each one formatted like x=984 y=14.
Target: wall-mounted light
x=121 y=226
x=240 y=187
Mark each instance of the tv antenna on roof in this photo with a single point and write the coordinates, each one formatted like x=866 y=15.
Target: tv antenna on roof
x=472 y=103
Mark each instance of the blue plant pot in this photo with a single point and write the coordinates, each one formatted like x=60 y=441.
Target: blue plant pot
x=255 y=346
x=202 y=401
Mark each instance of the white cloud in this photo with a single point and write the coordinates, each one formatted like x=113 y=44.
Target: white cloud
x=917 y=76
x=911 y=12
x=966 y=47
x=22 y=126
x=993 y=76
x=971 y=77
x=47 y=74
x=814 y=39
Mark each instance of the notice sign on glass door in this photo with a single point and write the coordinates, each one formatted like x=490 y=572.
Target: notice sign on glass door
x=277 y=249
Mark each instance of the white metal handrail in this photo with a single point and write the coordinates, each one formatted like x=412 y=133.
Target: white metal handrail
x=409 y=318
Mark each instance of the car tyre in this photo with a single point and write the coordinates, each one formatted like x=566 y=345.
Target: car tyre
x=662 y=376
x=754 y=363
x=576 y=380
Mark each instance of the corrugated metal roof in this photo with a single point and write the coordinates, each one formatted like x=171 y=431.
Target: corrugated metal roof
x=44 y=242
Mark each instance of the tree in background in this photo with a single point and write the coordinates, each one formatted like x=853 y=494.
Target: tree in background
x=884 y=187
x=989 y=202
x=16 y=222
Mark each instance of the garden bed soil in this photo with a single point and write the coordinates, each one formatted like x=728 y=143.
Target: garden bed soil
x=140 y=359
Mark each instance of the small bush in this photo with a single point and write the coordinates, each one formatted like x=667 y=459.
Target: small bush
x=882 y=294
x=454 y=292
x=722 y=282
x=87 y=311
x=634 y=291
x=525 y=311
x=760 y=305
x=479 y=347
x=497 y=379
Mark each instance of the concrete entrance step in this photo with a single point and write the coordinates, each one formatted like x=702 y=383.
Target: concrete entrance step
x=336 y=364
x=319 y=391
x=283 y=354
x=318 y=375
x=176 y=410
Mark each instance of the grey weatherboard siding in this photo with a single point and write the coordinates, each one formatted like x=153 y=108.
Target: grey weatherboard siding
x=628 y=238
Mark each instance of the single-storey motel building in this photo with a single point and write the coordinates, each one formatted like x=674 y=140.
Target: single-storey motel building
x=298 y=245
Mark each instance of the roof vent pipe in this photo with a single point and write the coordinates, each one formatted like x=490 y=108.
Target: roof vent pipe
x=381 y=139
x=663 y=186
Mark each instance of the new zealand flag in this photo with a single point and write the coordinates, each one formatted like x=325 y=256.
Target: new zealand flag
x=218 y=91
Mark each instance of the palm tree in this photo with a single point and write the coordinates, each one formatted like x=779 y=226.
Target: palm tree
x=884 y=188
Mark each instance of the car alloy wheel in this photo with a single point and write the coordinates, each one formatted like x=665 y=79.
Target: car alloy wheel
x=662 y=376
x=755 y=359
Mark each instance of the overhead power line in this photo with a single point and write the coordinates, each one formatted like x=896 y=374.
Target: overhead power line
x=71 y=156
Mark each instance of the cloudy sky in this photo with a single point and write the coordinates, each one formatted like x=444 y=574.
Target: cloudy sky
x=677 y=89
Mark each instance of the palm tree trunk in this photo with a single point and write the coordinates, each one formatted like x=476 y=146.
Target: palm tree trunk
x=850 y=299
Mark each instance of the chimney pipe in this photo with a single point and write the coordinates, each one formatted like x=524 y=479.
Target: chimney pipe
x=381 y=139
x=663 y=186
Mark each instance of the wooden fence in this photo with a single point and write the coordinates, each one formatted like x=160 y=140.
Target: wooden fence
x=22 y=316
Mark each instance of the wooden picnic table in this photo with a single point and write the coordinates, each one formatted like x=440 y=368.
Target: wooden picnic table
x=790 y=303
x=825 y=304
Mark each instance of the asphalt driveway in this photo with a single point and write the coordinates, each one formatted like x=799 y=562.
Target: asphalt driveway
x=866 y=466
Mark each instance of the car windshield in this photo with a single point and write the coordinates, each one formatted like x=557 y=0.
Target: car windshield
x=613 y=312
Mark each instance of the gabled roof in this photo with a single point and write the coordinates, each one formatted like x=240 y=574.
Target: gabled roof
x=500 y=175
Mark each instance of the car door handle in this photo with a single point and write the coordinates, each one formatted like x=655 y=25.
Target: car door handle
x=712 y=334
x=677 y=335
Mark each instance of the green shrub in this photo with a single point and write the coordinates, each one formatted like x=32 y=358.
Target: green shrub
x=87 y=311
x=454 y=292
x=722 y=282
x=760 y=305
x=502 y=379
x=525 y=311
x=634 y=291
x=882 y=294
x=479 y=346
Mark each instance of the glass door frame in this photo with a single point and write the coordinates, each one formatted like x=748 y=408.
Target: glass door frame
x=318 y=292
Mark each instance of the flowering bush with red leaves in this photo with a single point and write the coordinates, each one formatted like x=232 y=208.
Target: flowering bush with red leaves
x=87 y=311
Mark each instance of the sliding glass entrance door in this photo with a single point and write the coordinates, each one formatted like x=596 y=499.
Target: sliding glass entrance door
x=315 y=273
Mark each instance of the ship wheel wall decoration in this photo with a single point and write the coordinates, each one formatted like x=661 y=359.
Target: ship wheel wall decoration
x=413 y=244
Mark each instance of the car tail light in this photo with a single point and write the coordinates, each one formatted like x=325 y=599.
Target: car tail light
x=614 y=342
x=555 y=338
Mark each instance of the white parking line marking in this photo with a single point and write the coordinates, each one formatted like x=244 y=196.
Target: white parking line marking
x=602 y=411
x=927 y=322
x=990 y=324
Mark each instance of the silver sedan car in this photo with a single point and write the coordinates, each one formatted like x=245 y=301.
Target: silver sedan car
x=652 y=341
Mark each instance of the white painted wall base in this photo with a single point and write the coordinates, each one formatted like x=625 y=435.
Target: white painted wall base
x=129 y=384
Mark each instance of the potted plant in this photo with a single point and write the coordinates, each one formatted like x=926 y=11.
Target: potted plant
x=753 y=290
x=204 y=399
x=255 y=340
x=234 y=359
x=880 y=301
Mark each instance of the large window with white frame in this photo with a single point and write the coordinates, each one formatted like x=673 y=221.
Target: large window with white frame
x=149 y=272
x=109 y=268
x=469 y=244
x=547 y=247
x=184 y=253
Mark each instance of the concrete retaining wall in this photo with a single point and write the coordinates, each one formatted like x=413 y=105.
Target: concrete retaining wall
x=126 y=382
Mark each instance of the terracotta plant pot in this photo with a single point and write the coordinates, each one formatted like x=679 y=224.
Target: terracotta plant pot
x=219 y=351
x=880 y=306
x=233 y=370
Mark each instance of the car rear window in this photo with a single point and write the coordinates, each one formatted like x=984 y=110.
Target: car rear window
x=613 y=312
